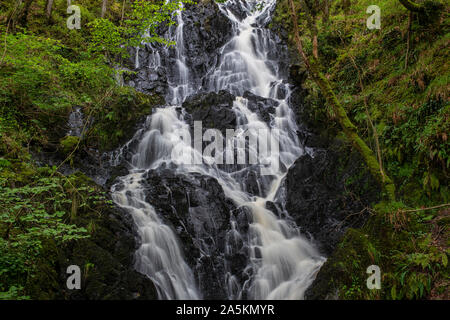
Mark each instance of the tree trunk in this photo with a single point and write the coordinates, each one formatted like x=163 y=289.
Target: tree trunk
x=315 y=47
x=326 y=11
x=313 y=66
x=311 y=21
x=429 y=13
x=12 y=15
x=412 y=6
x=123 y=12
x=49 y=8
x=104 y=7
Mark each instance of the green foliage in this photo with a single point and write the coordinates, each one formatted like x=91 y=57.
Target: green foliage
x=38 y=87
x=39 y=208
x=107 y=38
x=69 y=143
x=139 y=26
x=35 y=211
x=117 y=116
x=46 y=70
x=412 y=257
x=409 y=105
x=419 y=137
x=13 y=293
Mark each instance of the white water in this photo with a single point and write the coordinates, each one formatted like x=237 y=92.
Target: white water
x=75 y=122
x=182 y=88
x=283 y=262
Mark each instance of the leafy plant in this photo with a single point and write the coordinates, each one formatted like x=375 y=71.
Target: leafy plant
x=139 y=26
x=34 y=213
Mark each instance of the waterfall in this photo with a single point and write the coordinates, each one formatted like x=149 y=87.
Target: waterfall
x=75 y=122
x=181 y=88
x=281 y=262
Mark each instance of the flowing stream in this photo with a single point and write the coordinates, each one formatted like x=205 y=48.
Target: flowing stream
x=282 y=262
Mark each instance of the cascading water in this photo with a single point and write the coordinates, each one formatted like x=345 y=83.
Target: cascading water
x=181 y=87
x=75 y=123
x=281 y=263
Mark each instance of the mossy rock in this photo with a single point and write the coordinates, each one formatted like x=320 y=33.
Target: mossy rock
x=432 y=13
x=106 y=257
x=345 y=269
x=68 y=144
x=127 y=108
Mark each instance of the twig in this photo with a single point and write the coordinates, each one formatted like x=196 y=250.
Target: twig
x=68 y=157
x=426 y=209
x=123 y=12
x=408 y=41
x=82 y=132
x=298 y=40
x=374 y=129
x=7 y=29
x=76 y=190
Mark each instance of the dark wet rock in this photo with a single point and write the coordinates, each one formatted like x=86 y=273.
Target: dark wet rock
x=197 y=209
x=298 y=74
x=264 y=107
x=206 y=30
x=215 y=110
x=238 y=250
x=237 y=10
x=252 y=181
x=251 y=184
x=148 y=80
x=105 y=258
x=110 y=255
x=327 y=194
x=273 y=207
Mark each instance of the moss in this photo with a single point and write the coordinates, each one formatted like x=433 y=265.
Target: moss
x=105 y=257
x=43 y=284
x=115 y=124
x=69 y=143
x=409 y=269
x=46 y=70
x=403 y=102
x=394 y=92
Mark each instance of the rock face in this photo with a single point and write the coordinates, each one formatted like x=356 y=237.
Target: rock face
x=205 y=31
x=215 y=110
x=146 y=80
x=330 y=192
x=197 y=209
x=323 y=197
x=106 y=261
x=264 y=107
x=105 y=258
x=325 y=194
